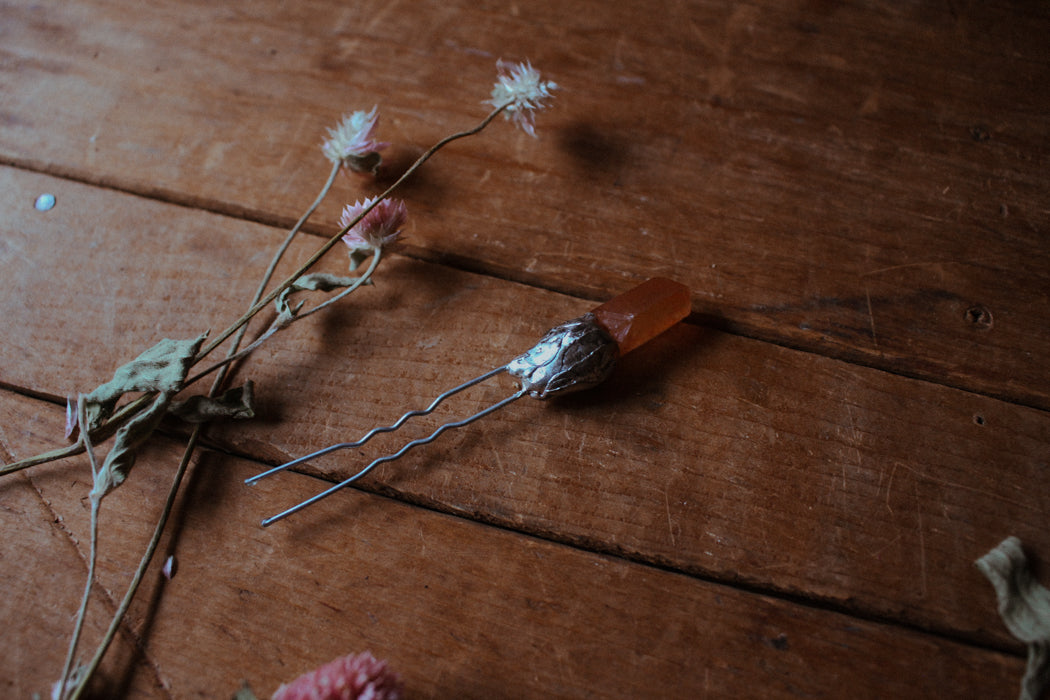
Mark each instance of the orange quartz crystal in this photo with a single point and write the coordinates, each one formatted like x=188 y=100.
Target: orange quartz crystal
x=644 y=312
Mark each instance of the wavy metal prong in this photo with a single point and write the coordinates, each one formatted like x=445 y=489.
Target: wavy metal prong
x=375 y=431
x=396 y=455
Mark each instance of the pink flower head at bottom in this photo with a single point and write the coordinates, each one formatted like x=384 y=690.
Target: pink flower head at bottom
x=352 y=677
x=380 y=226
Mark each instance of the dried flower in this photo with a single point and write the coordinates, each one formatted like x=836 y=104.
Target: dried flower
x=353 y=143
x=378 y=229
x=519 y=88
x=353 y=677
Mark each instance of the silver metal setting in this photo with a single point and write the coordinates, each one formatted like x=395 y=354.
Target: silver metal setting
x=576 y=355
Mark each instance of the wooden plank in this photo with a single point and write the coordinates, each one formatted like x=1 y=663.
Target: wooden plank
x=460 y=609
x=710 y=454
x=866 y=181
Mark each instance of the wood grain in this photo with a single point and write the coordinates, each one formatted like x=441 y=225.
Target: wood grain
x=881 y=490
x=460 y=609
x=862 y=179
x=782 y=497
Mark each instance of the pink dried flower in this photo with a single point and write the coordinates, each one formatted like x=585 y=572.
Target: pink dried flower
x=353 y=142
x=378 y=229
x=520 y=88
x=352 y=677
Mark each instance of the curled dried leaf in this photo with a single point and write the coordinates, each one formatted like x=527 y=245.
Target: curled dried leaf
x=323 y=282
x=237 y=402
x=314 y=282
x=121 y=457
x=1024 y=606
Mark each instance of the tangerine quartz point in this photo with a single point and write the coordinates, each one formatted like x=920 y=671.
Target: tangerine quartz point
x=641 y=314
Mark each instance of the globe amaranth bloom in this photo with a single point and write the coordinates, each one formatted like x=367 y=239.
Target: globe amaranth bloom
x=353 y=144
x=519 y=88
x=353 y=677
x=378 y=229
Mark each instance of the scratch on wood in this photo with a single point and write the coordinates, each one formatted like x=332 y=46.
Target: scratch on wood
x=922 y=541
x=495 y=450
x=670 y=523
x=855 y=440
x=871 y=318
x=8 y=454
x=926 y=263
x=877 y=554
x=955 y=485
x=889 y=487
x=380 y=16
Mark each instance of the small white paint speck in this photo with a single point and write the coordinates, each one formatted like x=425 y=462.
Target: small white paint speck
x=45 y=202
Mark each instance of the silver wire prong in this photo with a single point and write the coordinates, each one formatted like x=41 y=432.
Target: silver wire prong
x=375 y=431
x=397 y=455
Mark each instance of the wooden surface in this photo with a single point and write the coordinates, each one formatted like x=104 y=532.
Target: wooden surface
x=783 y=496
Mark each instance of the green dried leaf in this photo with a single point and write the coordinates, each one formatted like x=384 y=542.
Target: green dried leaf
x=245 y=693
x=285 y=313
x=238 y=402
x=121 y=457
x=162 y=369
x=322 y=282
x=314 y=282
x=1024 y=606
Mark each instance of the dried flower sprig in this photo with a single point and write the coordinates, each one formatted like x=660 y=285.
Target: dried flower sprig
x=367 y=228
x=521 y=93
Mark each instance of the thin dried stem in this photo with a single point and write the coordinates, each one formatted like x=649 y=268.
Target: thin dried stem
x=100 y=434
x=92 y=559
x=363 y=279
x=268 y=275
x=42 y=458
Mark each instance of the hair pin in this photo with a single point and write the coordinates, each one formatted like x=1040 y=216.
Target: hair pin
x=575 y=355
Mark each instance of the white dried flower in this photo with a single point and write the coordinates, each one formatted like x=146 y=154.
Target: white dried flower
x=519 y=88
x=352 y=143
